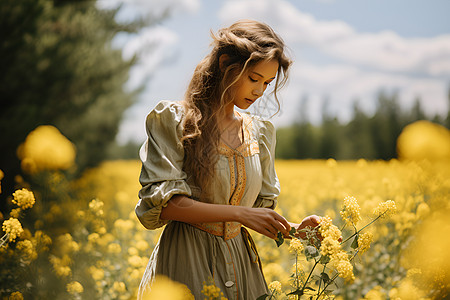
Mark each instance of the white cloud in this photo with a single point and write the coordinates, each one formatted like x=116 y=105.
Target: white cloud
x=153 y=46
x=384 y=50
x=362 y=65
x=149 y=8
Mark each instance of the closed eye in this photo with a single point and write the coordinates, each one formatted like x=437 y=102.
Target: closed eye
x=251 y=79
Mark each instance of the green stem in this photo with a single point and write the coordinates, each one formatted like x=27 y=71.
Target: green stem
x=310 y=273
x=320 y=282
x=363 y=228
x=335 y=276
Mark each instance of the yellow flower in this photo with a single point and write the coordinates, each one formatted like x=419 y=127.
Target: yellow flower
x=96 y=273
x=93 y=237
x=28 y=250
x=325 y=223
x=275 y=287
x=16 y=296
x=406 y=290
x=123 y=226
x=295 y=245
x=61 y=265
x=74 y=287
x=329 y=246
x=15 y=212
x=385 y=209
x=42 y=241
x=164 y=288
x=45 y=148
x=343 y=266
x=133 y=251
x=351 y=211
x=13 y=228
x=135 y=261
x=114 y=248
x=211 y=291
x=96 y=206
x=375 y=294
x=67 y=244
x=24 y=198
x=142 y=245
x=364 y=241
x=119 y=286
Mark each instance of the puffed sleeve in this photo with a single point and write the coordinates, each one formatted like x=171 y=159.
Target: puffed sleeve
x=270 y=189
x=162 y=162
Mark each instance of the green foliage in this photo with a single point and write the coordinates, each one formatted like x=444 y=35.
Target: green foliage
x=365 y=136
x=59 y=68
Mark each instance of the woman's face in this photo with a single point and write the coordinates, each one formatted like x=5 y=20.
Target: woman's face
x=253 y=83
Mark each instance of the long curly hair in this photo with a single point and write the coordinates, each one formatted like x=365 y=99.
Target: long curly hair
x=245 y=43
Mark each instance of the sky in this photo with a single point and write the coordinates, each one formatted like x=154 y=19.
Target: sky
x=344 y=52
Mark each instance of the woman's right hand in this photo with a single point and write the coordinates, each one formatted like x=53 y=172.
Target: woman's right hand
x=264 y=220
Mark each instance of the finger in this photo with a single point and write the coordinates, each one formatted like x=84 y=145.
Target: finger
x=279 y=227
x=315 y=219
x=270 y=233
x=283 y=222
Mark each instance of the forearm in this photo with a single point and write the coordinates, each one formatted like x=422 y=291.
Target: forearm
x=183 y=209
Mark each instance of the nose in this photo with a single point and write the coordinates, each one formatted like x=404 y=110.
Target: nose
x=258 y=91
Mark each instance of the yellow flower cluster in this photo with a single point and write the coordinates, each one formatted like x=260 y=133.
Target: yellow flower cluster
x=16 y=296
x=295 y=245
x=330 y=244
x=61 y=266
x=45 y=148
x=350 y=212
x=23 y=198
x=114 y=248
x=385 y=209
x=42 y=241
x=13 y=228
x=364 y=241
x=212 y=292
x=96 y=207
x=66 y=244
x=28 y=250
x=74 y=287
x=119 y=286
x=275 y=287
x=343 y=266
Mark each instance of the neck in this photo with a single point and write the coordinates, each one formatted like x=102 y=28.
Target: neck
x=229 y=112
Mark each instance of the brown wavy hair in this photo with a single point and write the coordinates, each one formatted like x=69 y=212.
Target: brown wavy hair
x=245 y=43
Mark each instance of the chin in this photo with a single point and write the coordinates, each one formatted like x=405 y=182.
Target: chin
x=242 y=105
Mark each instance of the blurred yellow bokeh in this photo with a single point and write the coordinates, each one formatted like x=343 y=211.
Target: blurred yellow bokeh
x=45 y=148
x=424 y=140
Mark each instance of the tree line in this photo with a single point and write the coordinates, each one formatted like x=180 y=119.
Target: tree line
x=364 y=136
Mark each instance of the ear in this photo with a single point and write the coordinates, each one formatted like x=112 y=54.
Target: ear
x=222 y=61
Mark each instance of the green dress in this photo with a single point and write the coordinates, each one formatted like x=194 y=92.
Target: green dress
x=194 y=253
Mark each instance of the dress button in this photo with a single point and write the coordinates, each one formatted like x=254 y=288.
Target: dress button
x=229 y=283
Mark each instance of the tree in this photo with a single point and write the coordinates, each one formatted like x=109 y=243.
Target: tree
x=59 y=68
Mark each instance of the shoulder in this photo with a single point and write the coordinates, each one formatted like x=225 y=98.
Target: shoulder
x=167 y=110
x=260 y=126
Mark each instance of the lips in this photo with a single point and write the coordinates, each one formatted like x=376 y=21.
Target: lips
x=249 y=100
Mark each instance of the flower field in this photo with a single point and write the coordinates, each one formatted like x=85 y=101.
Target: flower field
x=105 y=256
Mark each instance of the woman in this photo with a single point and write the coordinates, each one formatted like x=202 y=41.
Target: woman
x=208 y=169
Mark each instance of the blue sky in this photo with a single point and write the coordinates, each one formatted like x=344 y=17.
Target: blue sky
x=343 y=50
